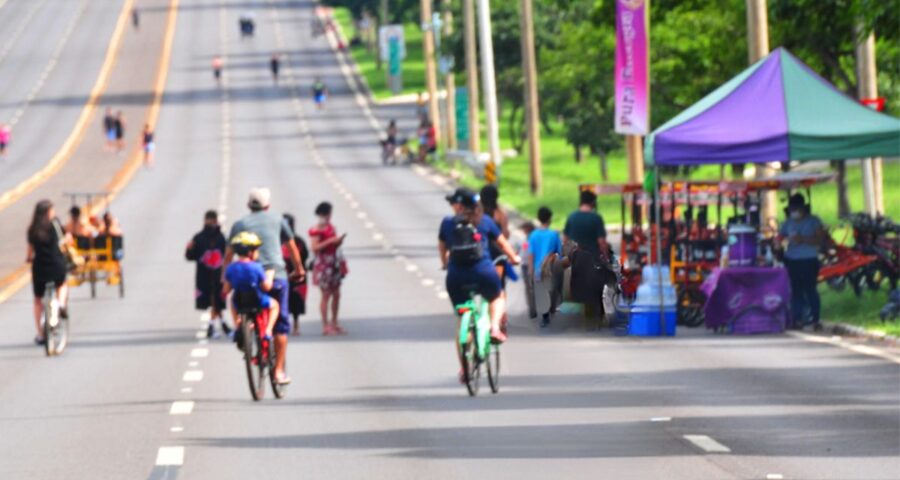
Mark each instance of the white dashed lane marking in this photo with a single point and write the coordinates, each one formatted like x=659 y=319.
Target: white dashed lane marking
x=186 y=390
x=707 y=444
x=176 y=429
x=200 y=353
x=192 y=376
x=170 y=456
x=181 y=408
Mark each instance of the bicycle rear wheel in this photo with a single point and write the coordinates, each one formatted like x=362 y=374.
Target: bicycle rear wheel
x=56 y=328
x=471 y=364
x=252 y=357
x=493 y=368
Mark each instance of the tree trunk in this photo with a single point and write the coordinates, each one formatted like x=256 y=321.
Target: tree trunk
x=578 y=153
x=604 y=166
x=843 y=202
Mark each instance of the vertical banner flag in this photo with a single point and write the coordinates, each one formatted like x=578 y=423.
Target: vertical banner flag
x=632 y=65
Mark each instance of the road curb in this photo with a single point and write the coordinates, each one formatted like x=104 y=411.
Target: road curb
x=855 y=331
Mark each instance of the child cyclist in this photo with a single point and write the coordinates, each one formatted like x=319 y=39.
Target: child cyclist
x=246 y=276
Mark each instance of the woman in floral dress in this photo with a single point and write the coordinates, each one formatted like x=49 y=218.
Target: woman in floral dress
x=329 y=267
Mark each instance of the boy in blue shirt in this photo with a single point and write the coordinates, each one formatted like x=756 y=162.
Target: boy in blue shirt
x=246 y=277
x=541 y=243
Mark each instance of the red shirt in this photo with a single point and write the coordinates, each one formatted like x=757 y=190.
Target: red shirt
x=323 y=233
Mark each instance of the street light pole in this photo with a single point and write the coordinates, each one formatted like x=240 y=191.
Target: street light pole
x=430 y=70
x=488 y=82
x=758 y=47
x=532 y=112
x=472 y=76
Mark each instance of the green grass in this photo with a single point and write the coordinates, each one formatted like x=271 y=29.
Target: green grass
x=413 y=67
x=846 y=307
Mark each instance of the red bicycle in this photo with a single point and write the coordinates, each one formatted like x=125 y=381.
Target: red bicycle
x=259 y=351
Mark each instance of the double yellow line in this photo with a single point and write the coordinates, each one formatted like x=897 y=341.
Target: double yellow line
x=11 y=283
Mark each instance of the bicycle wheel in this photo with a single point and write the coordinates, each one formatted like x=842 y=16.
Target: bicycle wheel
x=493 y=368
x=252 y=357
x=470 y=363
x=278 y=389
x=49 y=337
x=121 y=283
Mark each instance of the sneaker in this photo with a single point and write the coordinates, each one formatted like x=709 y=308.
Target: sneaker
x=226 y=329
x=210 y=331
x=545 y=320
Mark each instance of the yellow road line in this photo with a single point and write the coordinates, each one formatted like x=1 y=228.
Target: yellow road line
x=65 y=152
x=11 y=284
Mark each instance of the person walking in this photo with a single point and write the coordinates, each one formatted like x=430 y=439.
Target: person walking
x=207 y=249
x=320 y=93
x=591 y=260
x=46 y=240
x=543 y=243
x=147 y=145
x=109 y=130
x=275 y=66
x=298 y=286
x=272 y=230
x=119 y=129
x=136 y=18
x=217 y=69
x=5 y=135
x=804 y=235
x=329 y=267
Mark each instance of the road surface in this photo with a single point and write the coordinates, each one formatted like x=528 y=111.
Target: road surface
x=139 y=395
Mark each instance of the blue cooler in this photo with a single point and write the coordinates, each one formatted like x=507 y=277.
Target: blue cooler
x=644 y=321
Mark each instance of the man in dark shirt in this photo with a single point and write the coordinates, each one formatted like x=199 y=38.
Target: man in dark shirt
x=207 y=248
x=585 y=226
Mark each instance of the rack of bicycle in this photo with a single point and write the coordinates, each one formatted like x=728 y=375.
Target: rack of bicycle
x=700 y=220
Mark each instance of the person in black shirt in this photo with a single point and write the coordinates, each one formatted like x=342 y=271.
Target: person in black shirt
x=298 y=287
x=275 y=66
x=207 y=248
x=48 y=264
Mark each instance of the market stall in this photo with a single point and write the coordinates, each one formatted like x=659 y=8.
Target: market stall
x=778 y=110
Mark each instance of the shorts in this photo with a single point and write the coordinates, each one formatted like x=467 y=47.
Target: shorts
x=148 y=148
x=480 y=278
x=319 y=98
x=111 y=135
x=280 y=290
x=209 y=297
x=39 y=282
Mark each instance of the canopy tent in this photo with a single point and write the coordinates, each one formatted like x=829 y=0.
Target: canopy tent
x=776 y=110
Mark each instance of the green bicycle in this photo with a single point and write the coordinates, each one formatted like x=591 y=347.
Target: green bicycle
x=475 y=345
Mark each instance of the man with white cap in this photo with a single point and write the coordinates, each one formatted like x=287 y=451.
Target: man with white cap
x=273 y=230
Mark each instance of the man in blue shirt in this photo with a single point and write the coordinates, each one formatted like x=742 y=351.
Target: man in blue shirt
x=541 y=243
x=467 y=259
x=804 y=235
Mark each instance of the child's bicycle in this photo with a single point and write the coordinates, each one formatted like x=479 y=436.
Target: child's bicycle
x=259 y=352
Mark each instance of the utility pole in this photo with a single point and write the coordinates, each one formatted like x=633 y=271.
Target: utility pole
x=450 y=81
x=488 y=82
x=868 y=88
x=472 y=76
x=428 y=33
x=384 y=21
x=532 y=106
x=758 y=47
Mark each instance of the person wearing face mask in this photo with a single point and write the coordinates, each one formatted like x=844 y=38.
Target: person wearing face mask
x=804 y=235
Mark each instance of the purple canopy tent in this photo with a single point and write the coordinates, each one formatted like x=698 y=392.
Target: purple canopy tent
x=777 y=110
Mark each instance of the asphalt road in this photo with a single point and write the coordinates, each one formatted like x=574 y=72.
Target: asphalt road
x=383 y=401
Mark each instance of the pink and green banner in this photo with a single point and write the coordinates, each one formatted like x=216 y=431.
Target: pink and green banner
x=632 y=65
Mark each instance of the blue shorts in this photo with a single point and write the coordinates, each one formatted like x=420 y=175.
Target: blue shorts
x=111 y=135
x=320 y=98
x=480 y=278
x=280 y=290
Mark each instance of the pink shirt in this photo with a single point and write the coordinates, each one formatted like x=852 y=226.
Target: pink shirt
x=4 y=134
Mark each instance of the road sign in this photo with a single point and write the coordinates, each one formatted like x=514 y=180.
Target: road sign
x=462 y=116
x=385 y=34
x=490 y=172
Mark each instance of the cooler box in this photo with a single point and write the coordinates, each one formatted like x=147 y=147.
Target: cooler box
x=644 y=321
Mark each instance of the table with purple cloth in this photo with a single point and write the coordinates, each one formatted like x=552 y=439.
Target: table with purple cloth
x=747 y=299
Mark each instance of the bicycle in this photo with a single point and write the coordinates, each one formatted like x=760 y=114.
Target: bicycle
x=259 y=352
x=476 y=347
x=56 y=328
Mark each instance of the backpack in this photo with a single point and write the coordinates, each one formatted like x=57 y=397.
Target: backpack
x=465 y=245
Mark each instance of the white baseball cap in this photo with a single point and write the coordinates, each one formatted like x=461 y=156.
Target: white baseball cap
x=260 y=197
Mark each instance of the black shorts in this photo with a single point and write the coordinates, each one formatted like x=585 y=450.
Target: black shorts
x=39 y=282
x=209 y=297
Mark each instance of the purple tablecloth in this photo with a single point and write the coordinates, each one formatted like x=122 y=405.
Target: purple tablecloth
x=747 y=299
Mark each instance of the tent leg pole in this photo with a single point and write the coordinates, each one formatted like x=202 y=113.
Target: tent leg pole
x=659 y=263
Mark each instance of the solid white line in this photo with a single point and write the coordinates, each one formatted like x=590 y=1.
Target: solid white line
x=707 y=444
x=192 y=376
x=853 y=347
x=181 y=408
x=170 y=456
x=200 y=352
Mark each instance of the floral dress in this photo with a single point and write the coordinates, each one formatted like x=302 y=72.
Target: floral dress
x=329 y=266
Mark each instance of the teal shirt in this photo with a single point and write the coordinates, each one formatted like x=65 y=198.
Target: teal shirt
x=585 y=228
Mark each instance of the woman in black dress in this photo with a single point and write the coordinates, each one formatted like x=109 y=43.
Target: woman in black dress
x=48 y=265
x=297 y=296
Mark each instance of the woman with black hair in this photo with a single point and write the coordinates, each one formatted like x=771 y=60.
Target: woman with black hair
x=804 y=235
x=298 y=288
x=329 y=267
x=46 y=239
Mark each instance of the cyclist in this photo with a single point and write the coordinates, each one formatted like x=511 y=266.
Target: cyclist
x=46 y=240
x=320 y=93
x=246 y=278
x=463 y=246
x=271 y=228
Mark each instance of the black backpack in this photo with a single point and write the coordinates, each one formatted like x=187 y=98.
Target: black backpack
x=465 y=244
